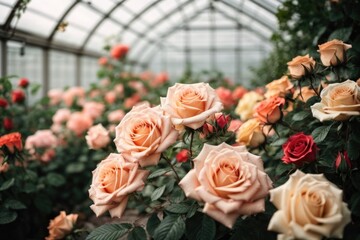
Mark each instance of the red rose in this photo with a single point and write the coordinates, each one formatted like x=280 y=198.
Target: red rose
x=3 y=103
x=222 y=120
x=17 y=96
x=11 y=141
x=299 y=148
x=182 y=156
x=342 y=161
x=23 y=82
x=119 y=51
x=8 y=123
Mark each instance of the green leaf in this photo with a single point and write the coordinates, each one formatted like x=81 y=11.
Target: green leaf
x=7 y=216
x=192 y=210
x=109 y=232
x=43 y=203
x=55 y=179
x=171 y=228
x=320 y=133
x=341 y=34
x=152 y=224
x=278 y=142
x=158 y=173
x=14 y=204
x=75 y=167
x=158 y=193
x=177 y=195
x=137 y=233
x=200 y=227
x=7 y=184
x=178 y=208
x=301 y=116
x=282 y=168
x=353 y=149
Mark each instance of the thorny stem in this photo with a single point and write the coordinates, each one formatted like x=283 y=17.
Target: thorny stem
x=172 y=167
x=312 y=86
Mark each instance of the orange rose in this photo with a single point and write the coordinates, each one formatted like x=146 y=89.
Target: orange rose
x=191 y=104
x=143 y=134
x=300 y=66
x=333 y=52
x=225 y=96
x=279 y=87
x=306 y=93
x=113 y=180
x=12 y=141
x=230 y=180
x=119 y=51
x=269 y=110
x=250 y=133
x=61 y=226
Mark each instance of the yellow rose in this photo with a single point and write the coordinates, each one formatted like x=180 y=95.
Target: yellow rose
x=309 y=207
x=191 y=104
x=61 y=226
x=230 y=180
x=246 y=105
x=278 y=88
x=333 y=52
x=306 y=93
x=339 y=101
x=250 y=133
x=300 y=65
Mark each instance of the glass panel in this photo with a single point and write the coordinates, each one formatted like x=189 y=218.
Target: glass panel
x=128 y=38
x=54 y=8
x=89 y=68
x=8 y=2
x=62 y=70
x=177 y=39
x=95 y=43
x=4 y=13
x=34 y=23
x=72 y=36
x=83 y=16
x=224 y=38
x=200 y=61
x=167 y=5
x=226 y=63
x=102 y=5
x=28 y=65
x=152 y=15
x=138 y=25
x=136 y=49
x=122 y=15
x=137 y=6
x=108 y=27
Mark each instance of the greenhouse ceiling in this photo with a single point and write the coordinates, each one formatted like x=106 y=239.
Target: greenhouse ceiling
x=159 y=32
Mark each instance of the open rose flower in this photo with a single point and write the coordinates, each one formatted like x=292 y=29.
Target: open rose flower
x=61 y=116
x=279 y=87
x=225 y=96
x=250 y=133
x=269 y=110
x=116 y=116
x=61 y=226
x=113 y=180
x=300 y=66
x=72 y=94
x=339 y=101
x=119 y=51
x=143 y=134
x=304 y=94
x=79 y=122
x=55 y=96
x=43 y=141
x=191 y=104
x=230 y=180
x=97 y=137
x=12 y=141
x=299 y=148
x=332 y=53
x=309 y=207
x=93 y=109
x=246 y=105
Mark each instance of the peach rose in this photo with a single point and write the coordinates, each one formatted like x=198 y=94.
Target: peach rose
x=73 y=93
x=132 y=101
x=278 y=88
x=238 y=93
x=55 y=96
x=309 y=207
x=160 y=79
x=110 y=97
x=113 y=180
x=61 y=116
x=43 y=140
x=306 y=93
x=143 y=134
x=119 y=51
x=116 y=116
x=61 y=226
x=191 y=104
x=119 y=89
x=234 y=125
x=230 y=180
x=93 y=109
x=97 y=137
x=339 y=101
x=333 y=52
x=250 y=133
x=246 y=105
x=102 y=61
x=269 y=110
x=79 y=123
x=300 y=66
x=225 y=96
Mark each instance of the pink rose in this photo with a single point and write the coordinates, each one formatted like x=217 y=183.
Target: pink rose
x=61 y=226
x=191 y=104
x=160 y=79
x=238 y=93
x=230 y=180
x=61 y=116
x=119 y=88
x=225 y=96
x=110 y=97
x=102 y=61
x=93 y=109
x=116 y=116
x=97 y=137
x=119 y=51
x=55 y=96
x=143 y=134
x=235 y=124
x=73 y=93
x=113 y=180
x=132 y=101
x=43 y=140
x=79 y=123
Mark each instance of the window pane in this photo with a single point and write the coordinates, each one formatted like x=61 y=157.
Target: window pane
x=4 y=13
x=34 y=23
x=54 y=8
x=83 y=16
x=89 y=68
x=62 y=70
x=103 y=5
x=72 y=36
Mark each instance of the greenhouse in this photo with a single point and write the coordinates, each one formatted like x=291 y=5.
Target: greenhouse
x=179 y=119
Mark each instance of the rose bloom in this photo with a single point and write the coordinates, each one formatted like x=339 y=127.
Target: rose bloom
x=61 y=116
x=147 y=76
x=234 y=125
x=79 y=123
x=93 y=109
x=343 y=161
x=339 y=101
x=269 y=110
x=110 y=97
x=116 y=116
x=143 y=134
x=225 y=96
x=12 y=141
x=246 y=105
x=238 y=93
x=299 y=148
x=191 y=104
x=138 y=86
x=55 y=96
x=119 y=51
x=73 y=93
x=230 y=180
x=333 y=52
x=279 y=87
x=97 y=137
x=309 y=207
x=160 y=79
x=132 y=101
x=102 y=61
x=250 y=133
x=61 y=226
x=113 y=180
x=23 y=82
x=306 y=93
x=182 y=156
x=8 y=123
x=42 y=139
x=3 y=102
x=95 y=93
x=119 y=88
x=300 y=66
x=17 y=96
x=104 y=82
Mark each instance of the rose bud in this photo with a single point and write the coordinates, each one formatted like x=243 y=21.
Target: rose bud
x=119 y=51
x=300 y=66
x=18 y=96
x=182 y=156
x=3 y=103
x=269 y=110
x=342 y=161
x=23 y=82
x=222 y=120
x=332 y=53
x=8 y=123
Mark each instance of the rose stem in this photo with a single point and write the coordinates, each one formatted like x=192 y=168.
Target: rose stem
x=190 y=147
x=172 y=167
x=312 y=86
